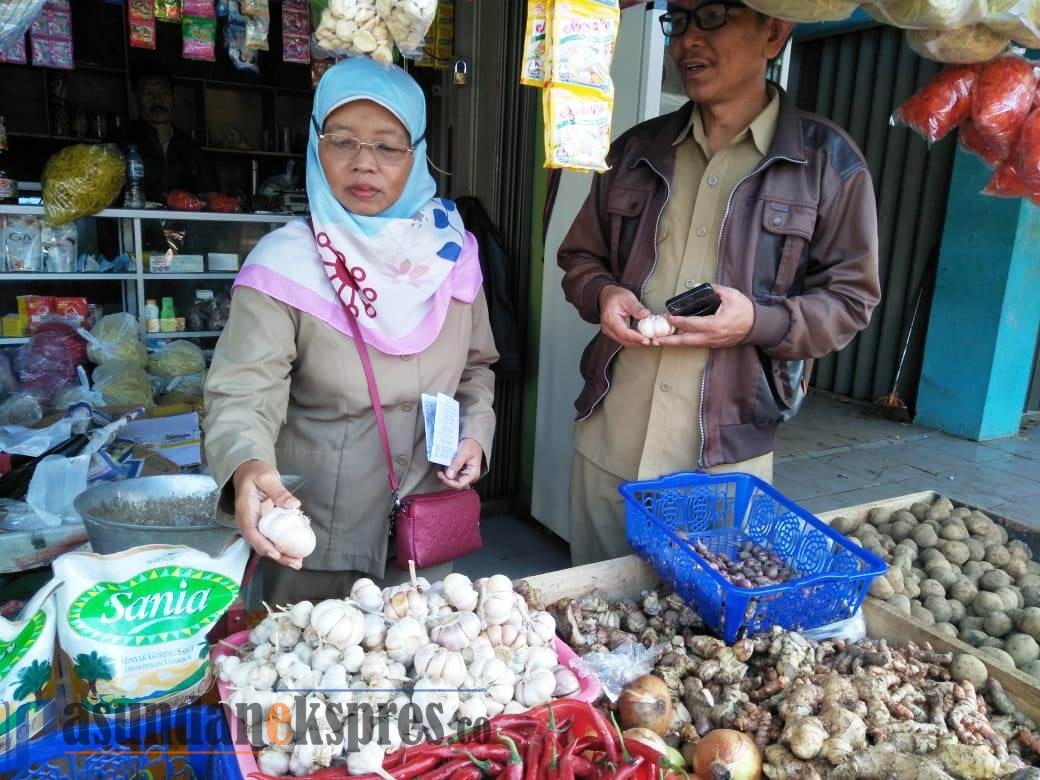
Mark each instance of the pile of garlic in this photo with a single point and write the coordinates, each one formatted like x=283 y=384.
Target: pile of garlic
x=353 y=27
x=408 y=21
x=474 y=648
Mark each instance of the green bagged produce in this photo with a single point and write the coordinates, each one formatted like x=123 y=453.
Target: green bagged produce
x=81 y=180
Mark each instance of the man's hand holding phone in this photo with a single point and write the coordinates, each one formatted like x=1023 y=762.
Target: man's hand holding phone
x=720 y=317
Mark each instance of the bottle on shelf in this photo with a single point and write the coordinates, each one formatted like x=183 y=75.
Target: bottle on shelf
x=8 y=184
x=151 y=316
x=168 y=317
x=134 y=196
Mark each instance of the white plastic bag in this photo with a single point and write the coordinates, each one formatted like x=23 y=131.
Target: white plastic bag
x=851 y=629
x=618 y=668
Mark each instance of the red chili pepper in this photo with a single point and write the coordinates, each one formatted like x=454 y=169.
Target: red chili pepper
x=533 y=753
x=603 y=730
x=567 y=767
x=550 y=754
x=485 y=752
x=628 y=769
x=515 y=768
x=582 y=766
x=467 y=773
x=446 y=770
x=418 y=765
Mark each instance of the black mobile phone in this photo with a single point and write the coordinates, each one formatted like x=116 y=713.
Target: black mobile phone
x=701 y=301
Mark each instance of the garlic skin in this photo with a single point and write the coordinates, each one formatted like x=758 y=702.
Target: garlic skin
x=567 y=682
x=535 y=688
x=226 y=665
x=324 y=657
x=656 y=326
x=366 y=760
x=456 y=631
x=289 y=530
x=304 y=652
x=374 y=665
x=479 y=649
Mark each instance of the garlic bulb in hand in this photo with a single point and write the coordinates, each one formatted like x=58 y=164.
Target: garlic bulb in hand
x=289 y=530
x=655 y=326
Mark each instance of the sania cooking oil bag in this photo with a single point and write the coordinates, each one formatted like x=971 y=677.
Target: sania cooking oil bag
x=132 y=625
x=28 y=681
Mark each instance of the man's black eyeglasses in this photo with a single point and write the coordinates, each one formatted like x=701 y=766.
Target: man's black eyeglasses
x=708 y=16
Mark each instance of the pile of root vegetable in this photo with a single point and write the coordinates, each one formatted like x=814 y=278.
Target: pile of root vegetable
x=954 y=567
x=826 y=709
x=460 y=651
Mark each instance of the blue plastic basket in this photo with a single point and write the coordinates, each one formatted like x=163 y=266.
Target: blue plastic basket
x=136 y=750
x=665 y=517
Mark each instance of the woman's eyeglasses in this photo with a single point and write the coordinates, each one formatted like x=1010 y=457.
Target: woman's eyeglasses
x=708 y=16
x=347 y=147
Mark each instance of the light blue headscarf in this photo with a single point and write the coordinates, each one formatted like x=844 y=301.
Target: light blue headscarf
x=359 y=78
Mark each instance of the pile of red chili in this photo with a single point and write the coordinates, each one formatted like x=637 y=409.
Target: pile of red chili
x=564 y=740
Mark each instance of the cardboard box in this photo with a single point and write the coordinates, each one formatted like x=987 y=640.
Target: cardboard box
x=72 y=311
x=40 y=309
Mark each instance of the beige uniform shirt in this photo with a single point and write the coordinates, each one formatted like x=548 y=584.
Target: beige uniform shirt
x=649 y=422
x=288 y=389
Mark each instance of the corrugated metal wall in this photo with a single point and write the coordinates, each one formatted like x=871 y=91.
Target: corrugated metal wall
x=857 y=79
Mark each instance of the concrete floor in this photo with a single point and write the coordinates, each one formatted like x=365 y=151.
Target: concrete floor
x=834 y=454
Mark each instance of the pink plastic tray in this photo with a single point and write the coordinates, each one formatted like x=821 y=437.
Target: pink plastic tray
x=588 y=692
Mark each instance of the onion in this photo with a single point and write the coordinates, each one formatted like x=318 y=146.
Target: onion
x=646 y=703
x=727 y=753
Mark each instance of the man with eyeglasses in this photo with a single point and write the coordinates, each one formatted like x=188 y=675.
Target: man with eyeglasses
x=740 y=188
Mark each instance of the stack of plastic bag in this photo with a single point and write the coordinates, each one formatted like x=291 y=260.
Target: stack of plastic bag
x=996 y=107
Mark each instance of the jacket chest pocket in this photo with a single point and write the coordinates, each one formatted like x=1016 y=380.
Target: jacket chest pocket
x=625 y=207
x=788 y=230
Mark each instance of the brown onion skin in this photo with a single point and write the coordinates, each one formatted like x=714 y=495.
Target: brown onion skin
x=646 y=703
x=725 y=754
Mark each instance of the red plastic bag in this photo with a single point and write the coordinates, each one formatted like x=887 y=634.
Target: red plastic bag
x=184 y=201
x=1006 y=183
x=940 y=105
x=47 y=362
x=1027 y=153
x=216 y=201
x=971 y=141
x=1001 y=100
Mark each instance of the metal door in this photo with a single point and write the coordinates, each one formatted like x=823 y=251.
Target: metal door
x=857 y=79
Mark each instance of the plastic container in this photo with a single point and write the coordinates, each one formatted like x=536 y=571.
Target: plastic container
x=151 y=316
x=665 y=517
x=168 y=317
x=191 y=741
x=588 y=692
x=133 y=198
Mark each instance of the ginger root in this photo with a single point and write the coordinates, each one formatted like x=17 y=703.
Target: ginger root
x=882 y=761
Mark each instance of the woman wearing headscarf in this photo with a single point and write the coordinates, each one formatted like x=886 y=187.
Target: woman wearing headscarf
x=286 y=393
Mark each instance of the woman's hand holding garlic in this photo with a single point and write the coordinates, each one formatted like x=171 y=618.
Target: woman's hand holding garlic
x=258 y=489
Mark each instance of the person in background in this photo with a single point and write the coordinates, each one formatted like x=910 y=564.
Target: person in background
x=286 y=393
x=172 y=160
x=739 y=188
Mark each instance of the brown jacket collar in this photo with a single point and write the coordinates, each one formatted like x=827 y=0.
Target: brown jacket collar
x=659 y=151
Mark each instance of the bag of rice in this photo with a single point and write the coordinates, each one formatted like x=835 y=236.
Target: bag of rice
x=28 y=681
x=132 y=625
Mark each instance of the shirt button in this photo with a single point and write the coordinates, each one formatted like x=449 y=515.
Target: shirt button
x=406 y=407
x=665 y=387
x=713 y=181
x=776 y=221
x=702 y=231
x=690 y=284
x=402 y=460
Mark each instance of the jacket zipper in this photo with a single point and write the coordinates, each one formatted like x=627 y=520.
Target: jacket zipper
x=642 y=287
x=718 y=256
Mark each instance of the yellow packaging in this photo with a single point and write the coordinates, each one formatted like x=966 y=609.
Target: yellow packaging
x=582 y=35
x=577 y=127
x=532 y=70
x=12 y=327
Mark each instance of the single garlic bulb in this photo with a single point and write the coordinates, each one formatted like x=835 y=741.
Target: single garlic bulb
x=405 y=602
x=541 y=658
x=566 y=682
x=289 y=531
x=368 y=595
x=541 y=629
x=375 y=632
x=338 y=623
x=460 y=593
x=655 y=326
x=506 y=635
x=456 y=631
x=403 y=638
x=435 y=661
x=535 y=688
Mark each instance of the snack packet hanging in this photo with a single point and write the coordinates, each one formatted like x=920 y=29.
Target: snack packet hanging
x=295 y=32
x=132 y=625
x=972 y=142
x=199 y=39
x=14 y=51
x=940 y=105
x=142 y=23
x=235 y=40
x=532 y=69
x=51 y=36
x=168 y=10
x=408 y=22
x=1001 y=100
x=202 y=9
x=257 y=29
x=582 y=34
x=28 y=679
x=577 y=127
x=259 y=8
x=974 y=43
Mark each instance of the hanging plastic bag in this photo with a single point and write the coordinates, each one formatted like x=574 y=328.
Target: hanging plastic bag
x=16 y=19
x=1001 y=100
x=1018 y=20
x=408 y=22
x=975 y=43
x=805 y=10
x=81 y=180
x=1006 y=183
x=1027 y=153
x=116 y=337
x=123 y=383
x=927 y=14
x=972 y=142
x=940 y=105
x=351 y=27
